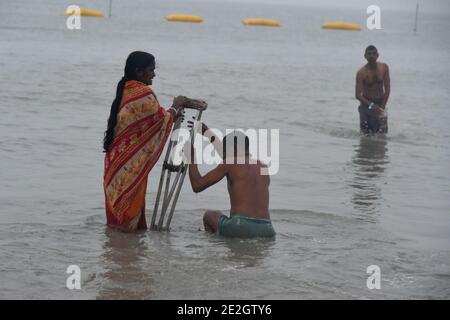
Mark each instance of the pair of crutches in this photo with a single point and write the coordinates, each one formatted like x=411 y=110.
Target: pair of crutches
x=171 y=191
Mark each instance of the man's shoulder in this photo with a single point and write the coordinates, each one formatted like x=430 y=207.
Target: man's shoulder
x=223 y=166
x=384 y=65
x=361 y=70
x=238 y=167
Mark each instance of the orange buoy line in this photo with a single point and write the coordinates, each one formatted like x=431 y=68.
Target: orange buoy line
x=341 y=25
x=184 y=18
x=84 y=12
x=261 y=22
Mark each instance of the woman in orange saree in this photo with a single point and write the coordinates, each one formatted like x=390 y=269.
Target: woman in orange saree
x=138 y=128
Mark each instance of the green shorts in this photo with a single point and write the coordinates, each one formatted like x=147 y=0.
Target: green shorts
x=238 y=226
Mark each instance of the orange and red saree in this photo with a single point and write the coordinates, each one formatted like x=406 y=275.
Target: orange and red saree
x=142 y=129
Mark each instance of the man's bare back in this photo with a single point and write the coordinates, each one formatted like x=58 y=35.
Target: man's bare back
x=248 y=190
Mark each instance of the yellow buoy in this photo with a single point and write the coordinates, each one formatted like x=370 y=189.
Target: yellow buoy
x=84 y=12
x=261 y=22
x=341 y=25
x=184 y=18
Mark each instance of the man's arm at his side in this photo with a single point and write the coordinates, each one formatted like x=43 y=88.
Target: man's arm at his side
x=359 y=88
x=387 y=87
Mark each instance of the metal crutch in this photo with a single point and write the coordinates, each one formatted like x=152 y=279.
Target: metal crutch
x=184 y=169
x=177 y=184
x=163 y=173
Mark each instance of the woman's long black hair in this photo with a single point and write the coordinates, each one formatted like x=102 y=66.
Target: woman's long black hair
x=137 y=60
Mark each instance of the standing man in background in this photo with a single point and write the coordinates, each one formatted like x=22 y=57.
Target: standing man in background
x=372 y=90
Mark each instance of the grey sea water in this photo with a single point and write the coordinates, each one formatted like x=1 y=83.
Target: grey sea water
x=339 y=202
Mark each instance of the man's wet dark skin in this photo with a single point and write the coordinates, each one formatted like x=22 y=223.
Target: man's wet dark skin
x=247 y=187
x=372 y=90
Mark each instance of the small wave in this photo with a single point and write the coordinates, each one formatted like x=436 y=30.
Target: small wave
x=32 y=28
x=405 y=133
x=78 y=127
x=345 y=133
x=342 y=132
x=26 y=99
x=310 y=218
x=299 y=123
x=321 y=101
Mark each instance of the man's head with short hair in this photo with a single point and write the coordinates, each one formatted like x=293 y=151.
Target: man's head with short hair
x=235 y=143
x=371 y=48
x=371 y=54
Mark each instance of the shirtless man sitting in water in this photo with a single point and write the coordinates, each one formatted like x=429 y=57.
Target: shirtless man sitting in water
x=372 y=90
x=247 y=187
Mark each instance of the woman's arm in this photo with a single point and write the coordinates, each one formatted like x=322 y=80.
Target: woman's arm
x=195 y=104
x=177 y=106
